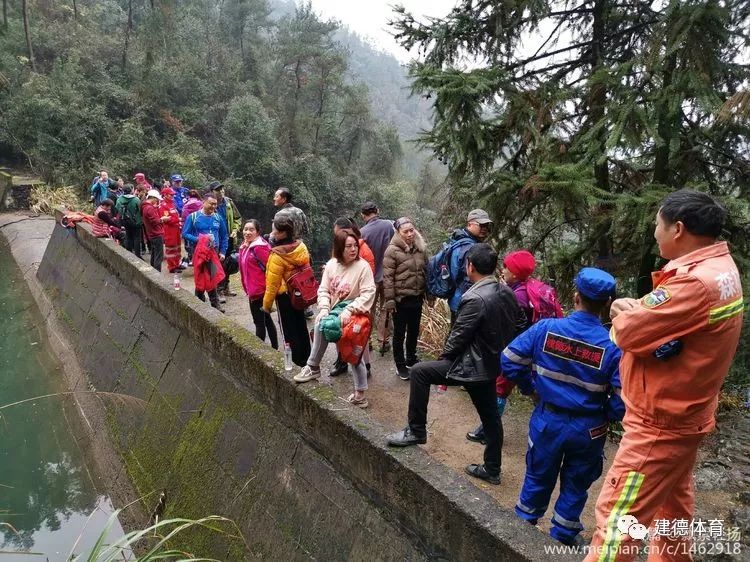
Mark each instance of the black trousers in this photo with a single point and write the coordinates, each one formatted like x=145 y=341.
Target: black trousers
x=406 y=322
x=263 y=322
x=133 y=235
x=294 y=326
x=213 y=297
x=224 y=285
x=157 y=252
x=482 y=394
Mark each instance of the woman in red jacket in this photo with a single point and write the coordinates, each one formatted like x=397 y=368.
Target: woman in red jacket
x=172 y=231
x=253 y=257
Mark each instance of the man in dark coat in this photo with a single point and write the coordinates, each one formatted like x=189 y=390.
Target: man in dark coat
x=487 y=320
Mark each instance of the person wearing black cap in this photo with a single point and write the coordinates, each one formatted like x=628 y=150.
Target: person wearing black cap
x=377 y=233
x=571 y=367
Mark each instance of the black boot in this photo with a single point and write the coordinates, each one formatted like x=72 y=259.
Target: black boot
x=339 y=368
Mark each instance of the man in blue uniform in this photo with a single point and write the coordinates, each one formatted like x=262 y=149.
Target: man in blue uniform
x=570 y=366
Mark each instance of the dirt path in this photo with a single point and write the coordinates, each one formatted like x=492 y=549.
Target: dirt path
x=451 y=415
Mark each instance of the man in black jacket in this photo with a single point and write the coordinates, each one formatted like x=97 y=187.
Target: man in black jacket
x=488 y=318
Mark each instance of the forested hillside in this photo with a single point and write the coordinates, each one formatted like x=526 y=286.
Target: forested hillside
x=574 y=119
x=212 y=89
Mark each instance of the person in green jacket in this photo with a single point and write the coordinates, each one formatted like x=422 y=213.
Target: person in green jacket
x=129 y=210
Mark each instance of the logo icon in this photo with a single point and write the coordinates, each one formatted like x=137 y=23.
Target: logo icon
x=628 y=525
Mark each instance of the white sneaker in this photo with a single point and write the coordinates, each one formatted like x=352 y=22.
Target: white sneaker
x=307 y=374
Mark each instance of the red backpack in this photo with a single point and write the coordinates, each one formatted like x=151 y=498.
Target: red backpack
x=543 y=301
x=355 y=336
x=302 y=287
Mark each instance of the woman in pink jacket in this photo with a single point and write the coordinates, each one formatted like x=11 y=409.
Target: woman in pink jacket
x=253 y=257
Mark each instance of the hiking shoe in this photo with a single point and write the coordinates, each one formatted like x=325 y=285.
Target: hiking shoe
x=339 y=368
x=477 y=436
x=222 y=298
x=403 y=372
x=307 y=374
x=358 y=402
x=478 y=471
x=405 y=438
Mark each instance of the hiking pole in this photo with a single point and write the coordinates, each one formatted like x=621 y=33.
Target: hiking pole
x=287 y=347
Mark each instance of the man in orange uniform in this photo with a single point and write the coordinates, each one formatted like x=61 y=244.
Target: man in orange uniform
x=677 y=342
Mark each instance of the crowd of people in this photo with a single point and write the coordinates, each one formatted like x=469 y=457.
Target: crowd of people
x=658 y=367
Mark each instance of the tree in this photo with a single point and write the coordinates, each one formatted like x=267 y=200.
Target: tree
x=308 y=67
x=248 y=143
x=27 y=33
x=572 y=141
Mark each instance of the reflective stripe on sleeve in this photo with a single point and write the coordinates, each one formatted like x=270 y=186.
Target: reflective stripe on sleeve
x=515 y=357
x=725 y=312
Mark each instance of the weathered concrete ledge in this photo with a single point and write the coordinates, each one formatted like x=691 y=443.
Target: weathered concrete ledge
x=201 y=409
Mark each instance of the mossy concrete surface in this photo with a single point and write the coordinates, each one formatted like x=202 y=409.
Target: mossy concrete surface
x=200 y=409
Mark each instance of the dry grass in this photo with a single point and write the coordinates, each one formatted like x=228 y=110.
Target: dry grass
x=731 y=401
x=435 y=326
x=45 y=199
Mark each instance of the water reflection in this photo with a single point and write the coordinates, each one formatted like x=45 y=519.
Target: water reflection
x=48 y=500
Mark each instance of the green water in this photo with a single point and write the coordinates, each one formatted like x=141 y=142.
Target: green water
x=48 y=499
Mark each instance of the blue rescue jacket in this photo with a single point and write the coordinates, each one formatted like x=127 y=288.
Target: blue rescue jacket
x=570 y=362
x=200 y=223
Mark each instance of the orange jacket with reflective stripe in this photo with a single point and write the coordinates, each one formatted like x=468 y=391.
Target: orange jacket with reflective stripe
x=697 y=299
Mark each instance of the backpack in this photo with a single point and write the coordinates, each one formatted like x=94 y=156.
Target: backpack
x=440 y=282
x=355 y=336
x=543 y=301
x=127 y=214
x=302 y=287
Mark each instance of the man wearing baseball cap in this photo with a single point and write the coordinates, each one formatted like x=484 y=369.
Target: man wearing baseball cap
x=571 y=368
x=477 y=229
x=180 y=191
x=141 y=182
x=153 y=225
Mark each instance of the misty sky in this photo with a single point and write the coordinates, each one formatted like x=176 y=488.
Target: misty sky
x=369 y=17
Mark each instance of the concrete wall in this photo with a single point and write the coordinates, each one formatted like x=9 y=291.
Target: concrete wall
x=201 y=409
x=6 y=185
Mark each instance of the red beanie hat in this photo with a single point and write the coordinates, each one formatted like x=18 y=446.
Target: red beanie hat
x=520 y=263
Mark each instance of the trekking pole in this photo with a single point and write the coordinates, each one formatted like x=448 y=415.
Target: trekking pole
x=287 y=347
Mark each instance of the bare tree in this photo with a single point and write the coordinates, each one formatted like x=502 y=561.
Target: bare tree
x=25 y=9
x=128 y=31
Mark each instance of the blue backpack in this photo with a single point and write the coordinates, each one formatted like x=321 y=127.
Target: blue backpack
x=440 y=282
